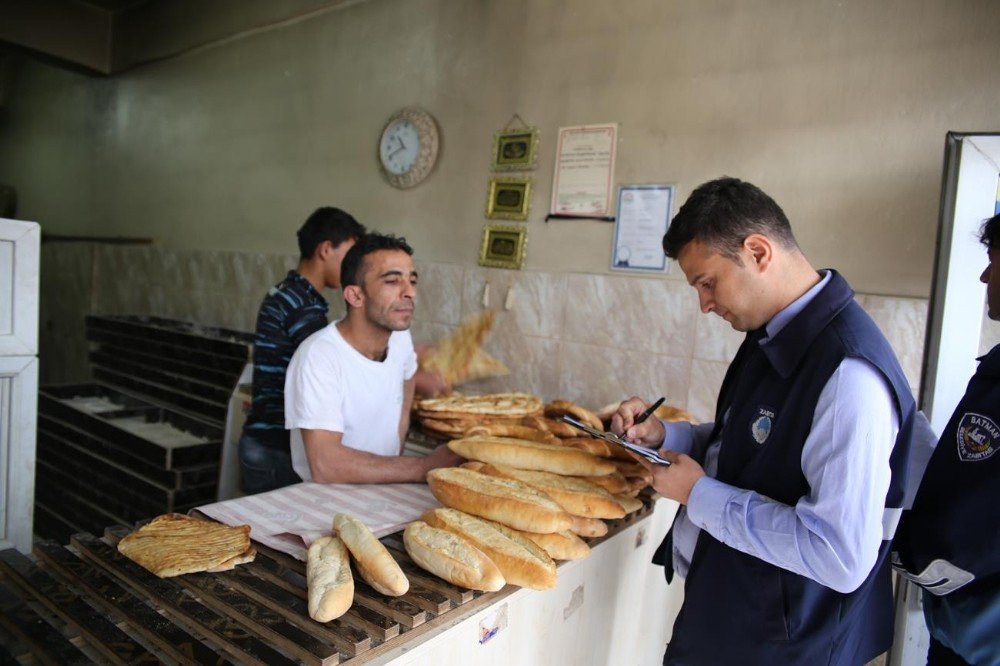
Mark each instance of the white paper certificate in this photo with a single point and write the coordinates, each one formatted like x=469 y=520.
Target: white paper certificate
x=643 y=216
x=585 y=170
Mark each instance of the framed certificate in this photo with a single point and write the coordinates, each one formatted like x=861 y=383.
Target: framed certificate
x=644 y=213
x=584 y=171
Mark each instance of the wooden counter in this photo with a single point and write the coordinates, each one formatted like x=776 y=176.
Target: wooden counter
x=85 y=603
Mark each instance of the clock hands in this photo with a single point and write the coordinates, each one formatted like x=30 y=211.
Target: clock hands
x=402 y=146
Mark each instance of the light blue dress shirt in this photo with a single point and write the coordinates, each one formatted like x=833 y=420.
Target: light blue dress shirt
x=831 y=535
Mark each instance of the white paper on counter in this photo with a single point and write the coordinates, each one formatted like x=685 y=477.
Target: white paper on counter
x=289 y=519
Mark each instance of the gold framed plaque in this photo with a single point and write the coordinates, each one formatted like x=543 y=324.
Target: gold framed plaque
x=509 y=199
x=503 y=246
x=515 y=150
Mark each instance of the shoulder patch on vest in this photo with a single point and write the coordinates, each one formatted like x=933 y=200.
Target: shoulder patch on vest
x=760 y=427
x=978 y=437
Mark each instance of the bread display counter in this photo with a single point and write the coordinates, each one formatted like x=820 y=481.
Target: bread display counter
x=85 y=602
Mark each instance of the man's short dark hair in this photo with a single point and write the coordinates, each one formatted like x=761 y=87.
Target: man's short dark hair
x=327 y=224
x=352 y=270
x=722 y=213
x=989 y=234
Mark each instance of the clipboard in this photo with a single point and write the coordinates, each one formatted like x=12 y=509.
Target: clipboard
x=611 y=438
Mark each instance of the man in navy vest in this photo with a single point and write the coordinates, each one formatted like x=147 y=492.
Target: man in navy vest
x=792 y=495
x=949 y=543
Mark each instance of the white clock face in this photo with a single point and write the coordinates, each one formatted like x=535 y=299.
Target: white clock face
x=400 y=147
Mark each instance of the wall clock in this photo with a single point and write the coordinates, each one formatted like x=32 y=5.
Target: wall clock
x=408 y=147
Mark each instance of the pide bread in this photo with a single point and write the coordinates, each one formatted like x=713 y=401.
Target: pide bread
x=561 y=545
x=521 y=561
x=174 y=544
x=614 y=483
x=558 y=408
x=495 y=404
x=504 y=500
x=589 y=527
x=577 y=497
x=451 y=557
x=516 y=431
x=231 y=563
x=371 y=559
x=525 y=454
x=329 y=579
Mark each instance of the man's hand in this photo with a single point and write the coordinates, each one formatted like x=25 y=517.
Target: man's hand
x=442 y=456
x=676 y=480
x=649 y=433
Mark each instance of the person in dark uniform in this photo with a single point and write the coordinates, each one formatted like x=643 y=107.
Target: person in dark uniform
x=949 y=542
x=293 y=310
x=792 y=494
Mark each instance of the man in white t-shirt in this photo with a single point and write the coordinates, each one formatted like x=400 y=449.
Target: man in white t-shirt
x=349 y=386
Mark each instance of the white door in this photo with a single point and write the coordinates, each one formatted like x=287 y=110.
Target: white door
x=19 y=253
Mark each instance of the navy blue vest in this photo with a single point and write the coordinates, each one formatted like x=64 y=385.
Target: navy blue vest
x=956 y=512
x=739 y=609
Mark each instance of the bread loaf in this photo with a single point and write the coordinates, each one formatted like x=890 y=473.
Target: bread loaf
x=451 y=557
x=535 y=456
x=556 y=427
x=630 y=504
x=372 y=560
x=504 y=500
x=577 y=497
x=632 y=470
x=614 y=483
x=561 y=545
x=588 y=527
x=599 y=448
x=517 y=431
x=328 y=577
x=521 y=561
x=496 y=404
x=558 y=408
x=474 y=465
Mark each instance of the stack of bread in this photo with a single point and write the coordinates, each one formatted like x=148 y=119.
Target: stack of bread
x=328 y=568
x=534 y=483
x=453 y=415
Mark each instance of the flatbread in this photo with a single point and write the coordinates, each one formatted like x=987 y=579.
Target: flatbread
x=494 y=404
x=460 y=358
x=175 y=544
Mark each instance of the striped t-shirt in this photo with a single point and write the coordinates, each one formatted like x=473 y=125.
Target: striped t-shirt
x=291 y=312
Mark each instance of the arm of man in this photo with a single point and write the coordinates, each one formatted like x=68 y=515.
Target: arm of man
x=831 y=535
x=404 y=417
x=330 y=461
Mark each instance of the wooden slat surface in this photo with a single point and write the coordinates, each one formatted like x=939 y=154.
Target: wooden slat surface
x=86 y=603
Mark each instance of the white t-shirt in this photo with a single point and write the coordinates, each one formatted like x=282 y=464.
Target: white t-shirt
x=331 y=386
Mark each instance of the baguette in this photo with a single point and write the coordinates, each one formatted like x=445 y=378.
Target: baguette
x=521 y=561
x=630 y=504
x=557 y=408
x=557 y=428
x=517 y=431
x=590 y=445
x=589 y=527
x=535 y=456
x=474 y=465
x=614 y=483
x=561 y=545
x=634 y=469
x=329 y=579
x=577 y=497
x=504 y=500
x=451 y=557
x=374 y=563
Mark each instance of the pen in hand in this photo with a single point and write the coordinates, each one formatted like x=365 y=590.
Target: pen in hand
x=645 y=415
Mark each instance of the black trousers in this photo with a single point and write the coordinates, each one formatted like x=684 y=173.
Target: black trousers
x=938 y=654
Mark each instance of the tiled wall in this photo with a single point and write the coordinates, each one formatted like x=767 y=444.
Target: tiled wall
x=593 y=339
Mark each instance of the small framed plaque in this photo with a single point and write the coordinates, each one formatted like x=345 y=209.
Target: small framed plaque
x=509 y=199
x=515 y=150
x=503 y=246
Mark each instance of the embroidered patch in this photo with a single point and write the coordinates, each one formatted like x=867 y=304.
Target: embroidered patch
x=761 y=426
x=978 y=437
